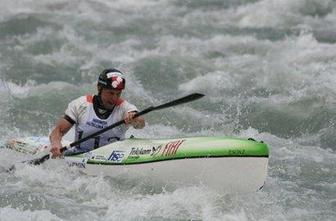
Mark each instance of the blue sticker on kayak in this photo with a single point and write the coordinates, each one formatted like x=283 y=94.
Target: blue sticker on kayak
x=117 y=156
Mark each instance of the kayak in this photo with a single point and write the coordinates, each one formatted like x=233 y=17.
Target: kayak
x=220 y=163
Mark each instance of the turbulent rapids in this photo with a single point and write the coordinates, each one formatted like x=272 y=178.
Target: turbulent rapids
x=267 y=68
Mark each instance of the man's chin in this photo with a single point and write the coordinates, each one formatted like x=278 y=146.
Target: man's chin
x=110 y=106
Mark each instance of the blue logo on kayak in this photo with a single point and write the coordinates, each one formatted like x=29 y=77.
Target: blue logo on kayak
x=117 y=156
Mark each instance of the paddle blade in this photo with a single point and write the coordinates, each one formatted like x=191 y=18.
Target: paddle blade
x=38 y=161
x=182 y=100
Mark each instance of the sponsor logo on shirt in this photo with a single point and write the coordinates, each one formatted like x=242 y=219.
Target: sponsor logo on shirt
x=97 y=123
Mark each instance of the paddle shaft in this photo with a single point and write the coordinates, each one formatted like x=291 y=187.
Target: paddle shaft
x=182 y=100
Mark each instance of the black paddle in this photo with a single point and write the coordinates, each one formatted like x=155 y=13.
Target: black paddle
x=182 y=100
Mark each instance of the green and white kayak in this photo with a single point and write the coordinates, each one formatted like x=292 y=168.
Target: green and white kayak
x=220 y=163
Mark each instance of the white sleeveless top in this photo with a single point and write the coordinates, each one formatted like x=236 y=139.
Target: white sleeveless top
x=81 y=111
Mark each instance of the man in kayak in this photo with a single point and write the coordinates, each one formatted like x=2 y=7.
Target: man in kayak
x=93 y=113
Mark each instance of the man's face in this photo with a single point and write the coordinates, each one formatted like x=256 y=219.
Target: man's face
x=110 y=97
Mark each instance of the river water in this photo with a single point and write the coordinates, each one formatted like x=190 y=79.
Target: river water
x=267 y=68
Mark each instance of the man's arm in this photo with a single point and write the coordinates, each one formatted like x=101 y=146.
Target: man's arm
x=55 y=137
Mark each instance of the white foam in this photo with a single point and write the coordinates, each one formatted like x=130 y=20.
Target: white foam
x=214 y=81
x=13 y=214
x=129 y=4
x=21 y=90
x=184 y=203
x=155 y=131
x=274 y=13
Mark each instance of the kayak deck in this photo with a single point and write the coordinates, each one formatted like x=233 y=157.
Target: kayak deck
x=135 y=151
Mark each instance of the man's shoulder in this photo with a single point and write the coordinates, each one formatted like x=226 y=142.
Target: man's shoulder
x=85 y=100
x=122 y=103
x=127 y=106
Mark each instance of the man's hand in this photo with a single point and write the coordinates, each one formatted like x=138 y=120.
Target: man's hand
x=138 y=122
x=128 y=117
x=56 y=150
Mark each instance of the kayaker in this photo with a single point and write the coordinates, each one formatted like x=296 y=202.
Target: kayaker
x=92 y=113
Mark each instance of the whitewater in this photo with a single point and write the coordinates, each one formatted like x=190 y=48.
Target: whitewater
x=267 y=68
